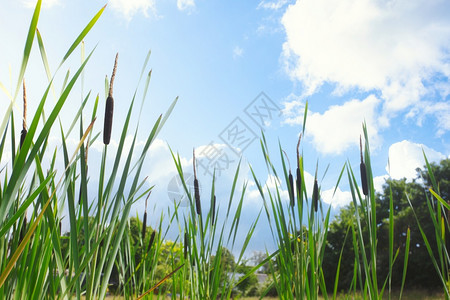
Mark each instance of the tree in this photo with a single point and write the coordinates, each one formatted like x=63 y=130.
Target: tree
x=257 y=258
x=227 y=264
x=421 y=272
x=249 y=286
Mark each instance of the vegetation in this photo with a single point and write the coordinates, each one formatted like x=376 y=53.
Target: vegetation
x=378 y=247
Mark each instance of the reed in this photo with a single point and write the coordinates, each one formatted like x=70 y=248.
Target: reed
x=38 y=261
x=109 y=107
x=24 y=131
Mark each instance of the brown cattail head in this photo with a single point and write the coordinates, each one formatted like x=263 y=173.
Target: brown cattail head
x=298 y=181
x=60 y=227
x=365 y=188
x=107 y=127
x=196 y=189
x=291 y=188
x=315 y=195
x=197 y=197
x=23 y=230
x=24 y=131
x=362 y=169
x=109 y=108
x=23 y=135
x=144 y=220
x=152 y=239
x=213 y=210
x=79 y=196
x=360 y=149
x=291 y=182
x=186 y=244
x=144 y=226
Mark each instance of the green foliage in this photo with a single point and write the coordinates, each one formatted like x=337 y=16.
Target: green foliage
x=297 y=271
x=380 y=242
x=36 y=261
x=421 y=273
x=249 y=286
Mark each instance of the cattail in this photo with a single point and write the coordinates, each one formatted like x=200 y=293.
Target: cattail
x=315 y=195
x=291 y=182
x=144 y=226
x=152 y=239
x=196 y=189
x=23 y=229
x=197 y=197
x=24 y=131
x=109 y=109
x=186 y=244
x=298 y=179
x=60 y=227
x=79 y=196
x=362 y=168
x=291 y=188
x=213 y=210
x=144 y=221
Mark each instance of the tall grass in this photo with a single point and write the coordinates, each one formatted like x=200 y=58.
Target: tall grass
x=206 y=239
x=438 y=209
x=32 y=262
x=299 y=226
x=37 y=261
x=365 y=246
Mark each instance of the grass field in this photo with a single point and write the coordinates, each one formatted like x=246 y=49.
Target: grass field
x=104 y=245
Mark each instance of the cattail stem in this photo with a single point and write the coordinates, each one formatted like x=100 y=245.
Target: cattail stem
x=298 y=179
x=193 y=162
x=111 y=84
x=24 y=123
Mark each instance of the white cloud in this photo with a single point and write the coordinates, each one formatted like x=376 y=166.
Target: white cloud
x=237 y=52
x=340 y=126
x=185 y=4
x=340 y=198
x=45 y=3
x=272 y=5
x=128 y=8
x=406 y=156
x=272 y=183
x=378 y=182
x=218 y=158
x=440 y=109
x=392 y=46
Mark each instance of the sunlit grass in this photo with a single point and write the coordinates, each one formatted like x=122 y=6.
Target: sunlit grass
x=38 y=261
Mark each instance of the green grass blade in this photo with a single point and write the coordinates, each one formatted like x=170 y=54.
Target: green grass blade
x=405 y=262
x=28 y=45
x=83 y=34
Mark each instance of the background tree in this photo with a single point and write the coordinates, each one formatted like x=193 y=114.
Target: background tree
x=249 y=286
x=421 y=272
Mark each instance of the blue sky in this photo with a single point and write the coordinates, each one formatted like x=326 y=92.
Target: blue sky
x=385 y=62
